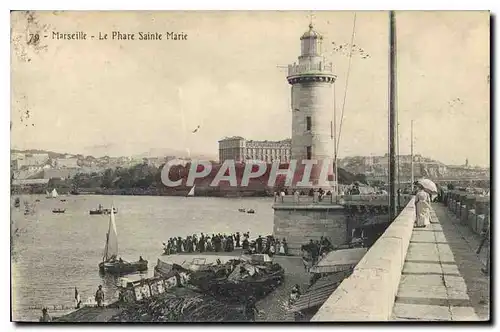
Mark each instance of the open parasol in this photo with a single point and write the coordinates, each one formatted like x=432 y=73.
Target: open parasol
x=428 y=185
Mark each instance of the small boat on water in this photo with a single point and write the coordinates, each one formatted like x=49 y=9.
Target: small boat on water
x=242 y=210
x=251 y=211
x=17 y=202
x=63 y=200
x=58 y=210
x=101 y=210
x=37 y=200
x=110 y=263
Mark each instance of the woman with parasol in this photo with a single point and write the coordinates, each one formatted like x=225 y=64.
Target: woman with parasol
x=423 y=201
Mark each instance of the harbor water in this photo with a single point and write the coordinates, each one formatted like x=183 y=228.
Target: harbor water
x=52 y=253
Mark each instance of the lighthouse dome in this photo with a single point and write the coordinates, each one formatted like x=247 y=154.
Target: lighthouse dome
x=311 y=34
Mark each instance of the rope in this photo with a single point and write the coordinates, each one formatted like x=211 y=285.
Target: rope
x=346 y=84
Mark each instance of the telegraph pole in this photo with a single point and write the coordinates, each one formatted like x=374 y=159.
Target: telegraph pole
x=411 y=151
x=392 y=118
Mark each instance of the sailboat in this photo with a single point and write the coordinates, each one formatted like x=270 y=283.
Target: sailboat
x=191 y=192
x=53 y=194
x=110 y=263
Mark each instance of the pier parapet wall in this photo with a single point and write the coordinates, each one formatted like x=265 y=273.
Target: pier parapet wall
x=369 y=293
x=472 y=210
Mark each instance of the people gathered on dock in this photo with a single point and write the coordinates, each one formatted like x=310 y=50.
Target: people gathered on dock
x=318 y=194
x=225 y=243
x=316 y=249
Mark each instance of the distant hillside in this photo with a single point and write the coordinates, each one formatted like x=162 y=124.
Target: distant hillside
x=51 y=154
x=152 y=153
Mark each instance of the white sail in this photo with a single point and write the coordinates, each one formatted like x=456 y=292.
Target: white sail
x=111 y=248
x=191 y=192
x=54 y=193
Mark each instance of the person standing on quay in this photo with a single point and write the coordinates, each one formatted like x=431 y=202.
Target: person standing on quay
x=259 y=244
x=423 y=207
x=99 y=297
x=45 y=316
x=238 y=239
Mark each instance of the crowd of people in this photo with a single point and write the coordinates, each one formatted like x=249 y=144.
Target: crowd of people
x=225 y=243
x=316 y=249
x=268 y=245
x=297 y=193
x=353 y=189
x=205 y=243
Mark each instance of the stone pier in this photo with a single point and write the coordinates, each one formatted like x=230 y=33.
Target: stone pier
x=304 y=218
x=421 y=274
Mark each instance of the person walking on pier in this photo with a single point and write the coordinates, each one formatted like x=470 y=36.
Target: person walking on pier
x=297 y=196
x=99 y=297
x=423 y=207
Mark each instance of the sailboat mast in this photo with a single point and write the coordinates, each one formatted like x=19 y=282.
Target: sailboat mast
x=392 y=118
x=105 y=254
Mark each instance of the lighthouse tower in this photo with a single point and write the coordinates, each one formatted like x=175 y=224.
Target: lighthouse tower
x=312 y=108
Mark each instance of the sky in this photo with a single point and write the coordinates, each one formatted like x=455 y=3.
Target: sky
x=128 y=97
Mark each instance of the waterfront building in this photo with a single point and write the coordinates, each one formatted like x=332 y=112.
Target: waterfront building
x=18 y=161
x=241 y=150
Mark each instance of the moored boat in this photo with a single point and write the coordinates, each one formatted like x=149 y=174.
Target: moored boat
x=100 y=210
x=123 y=267
x=110 y=263
x=239 y=278
x=58 y=210
x=242 y=210
x=251 y=211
